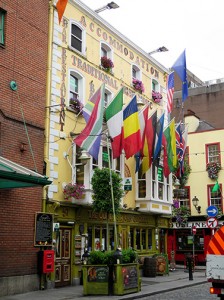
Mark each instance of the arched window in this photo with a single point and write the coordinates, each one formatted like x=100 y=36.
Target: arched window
x=78 y=35
x=76 y=86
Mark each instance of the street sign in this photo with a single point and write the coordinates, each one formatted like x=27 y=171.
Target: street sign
x=212 y=211
x=212 y=222
x=194 y=229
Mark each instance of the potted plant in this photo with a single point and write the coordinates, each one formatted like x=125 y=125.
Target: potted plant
x=156 y=96
x=73 y=191
x=213 y=169
x=96 y=273
x=138 y=85
x=107 y=63
x=76 y=105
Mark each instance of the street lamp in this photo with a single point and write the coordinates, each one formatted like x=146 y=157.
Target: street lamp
x=195 y=201
x=111 y=5
x=160 y=49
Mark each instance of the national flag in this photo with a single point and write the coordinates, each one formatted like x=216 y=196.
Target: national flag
x=61 y=5
x=149 y=142
x=90 y=138
x=131 y=127
x=216 y=187
x=114 y=118
x=166 y=170
x=170 y=91
x=158 y=138
x=170 y=136
x=180 y=150
x=180 y=68
x=88 y=108
x=143 y=117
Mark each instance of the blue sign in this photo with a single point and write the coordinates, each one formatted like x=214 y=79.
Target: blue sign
x=212 y=211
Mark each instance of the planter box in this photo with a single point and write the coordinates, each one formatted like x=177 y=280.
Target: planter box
x=126 y=279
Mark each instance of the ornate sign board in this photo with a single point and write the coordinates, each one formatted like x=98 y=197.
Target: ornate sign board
x=43 y=229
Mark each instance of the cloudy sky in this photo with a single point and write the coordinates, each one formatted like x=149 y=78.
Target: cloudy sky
x=194 y=25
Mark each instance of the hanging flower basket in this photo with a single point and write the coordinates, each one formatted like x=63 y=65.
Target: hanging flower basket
x=213 y=170
x=74 y=190
x=181 y=213
x=157 y=97
x=76 y=105
x=138 y=85
x=107 y=63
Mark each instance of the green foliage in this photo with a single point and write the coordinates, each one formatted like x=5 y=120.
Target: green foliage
x=128 y=256
x=102 y=200
x=107 y=257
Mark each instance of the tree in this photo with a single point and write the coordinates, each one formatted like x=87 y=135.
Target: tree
x=102 y=197
x=106 y=198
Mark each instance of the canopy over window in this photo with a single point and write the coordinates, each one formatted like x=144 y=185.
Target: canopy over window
x=13 y=175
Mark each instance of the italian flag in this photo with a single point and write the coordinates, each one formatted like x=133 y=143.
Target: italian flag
x=114 y=118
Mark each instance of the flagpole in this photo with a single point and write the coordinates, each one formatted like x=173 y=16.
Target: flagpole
x=112 y=193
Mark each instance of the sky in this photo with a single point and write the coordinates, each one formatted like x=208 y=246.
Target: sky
x=194 y=25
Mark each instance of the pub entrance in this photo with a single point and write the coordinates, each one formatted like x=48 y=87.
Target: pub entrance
x=63 y=258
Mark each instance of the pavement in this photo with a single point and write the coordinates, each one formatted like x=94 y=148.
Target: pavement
x=178 y=278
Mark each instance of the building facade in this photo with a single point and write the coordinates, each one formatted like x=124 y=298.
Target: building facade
x=76 y=49
x=204 y=154
x=23 y=52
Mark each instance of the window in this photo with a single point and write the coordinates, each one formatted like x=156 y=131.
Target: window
x=76 y=86
x=107 y=97
x=213 y=153
x=185 y=201
x=74 y=82
x=106 y=51
x=136 y=73
x=155 y=85
x=77 y=37
x=2 y=27
x=215 y=198
x=140 y=238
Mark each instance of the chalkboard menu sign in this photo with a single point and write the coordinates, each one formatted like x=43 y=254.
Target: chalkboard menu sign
x=97 y=274
x=130 y=277
x=43 y=229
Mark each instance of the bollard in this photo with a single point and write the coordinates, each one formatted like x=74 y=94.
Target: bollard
x=190 y=267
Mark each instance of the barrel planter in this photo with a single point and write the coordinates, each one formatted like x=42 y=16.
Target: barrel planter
x=149 y=267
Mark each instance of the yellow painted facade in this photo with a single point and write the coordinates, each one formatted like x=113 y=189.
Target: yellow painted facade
x=139 y=225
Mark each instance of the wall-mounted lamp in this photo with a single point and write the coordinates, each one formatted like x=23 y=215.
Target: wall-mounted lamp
x=176 y=184
x=22 y=147
x=84 y=157
x=111 y=5
x=195 y=201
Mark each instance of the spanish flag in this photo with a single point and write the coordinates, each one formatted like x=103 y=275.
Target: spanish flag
x=131 y=129
x=61 y=5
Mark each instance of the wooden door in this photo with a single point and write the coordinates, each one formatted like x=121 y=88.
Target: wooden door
x=63 y=258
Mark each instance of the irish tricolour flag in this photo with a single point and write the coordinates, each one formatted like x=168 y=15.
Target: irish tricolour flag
x=114 y=118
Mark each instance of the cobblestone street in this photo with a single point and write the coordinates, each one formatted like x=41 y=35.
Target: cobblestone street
x=199 y=292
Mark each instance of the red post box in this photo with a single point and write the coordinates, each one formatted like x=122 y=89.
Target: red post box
x=46 y=261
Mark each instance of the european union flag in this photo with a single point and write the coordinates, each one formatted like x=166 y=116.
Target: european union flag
x=180 y=68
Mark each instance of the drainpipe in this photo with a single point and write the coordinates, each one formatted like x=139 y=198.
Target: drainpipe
x=48 y=96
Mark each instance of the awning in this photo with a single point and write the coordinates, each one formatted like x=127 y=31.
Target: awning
x=13 y=175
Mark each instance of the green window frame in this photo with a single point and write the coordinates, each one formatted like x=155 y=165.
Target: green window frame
x=2 y=27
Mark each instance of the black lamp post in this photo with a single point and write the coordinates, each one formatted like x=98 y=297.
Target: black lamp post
x=85 y=257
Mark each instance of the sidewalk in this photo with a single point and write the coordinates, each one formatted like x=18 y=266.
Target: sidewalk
x=150 y=286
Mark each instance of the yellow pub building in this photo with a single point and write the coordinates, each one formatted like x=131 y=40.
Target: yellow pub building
x=76 y=72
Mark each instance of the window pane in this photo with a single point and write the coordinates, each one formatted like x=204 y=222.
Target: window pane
x=213 y=153
x=76 y=31
x=74 y=84
x=76 y=44
x=103 y=52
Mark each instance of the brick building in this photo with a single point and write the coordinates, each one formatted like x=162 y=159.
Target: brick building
x=23 y=65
